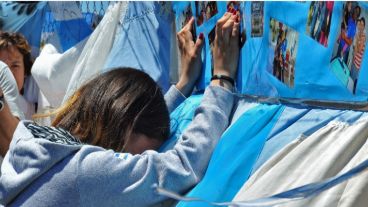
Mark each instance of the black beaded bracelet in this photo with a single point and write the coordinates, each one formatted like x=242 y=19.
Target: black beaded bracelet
x=223 y=77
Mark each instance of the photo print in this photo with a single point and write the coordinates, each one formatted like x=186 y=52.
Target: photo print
x=205 y=10
x=283 y=47
x=349 y=48
x=239 y=8
x=257 y=18
x=319 y=21
x=184 y=18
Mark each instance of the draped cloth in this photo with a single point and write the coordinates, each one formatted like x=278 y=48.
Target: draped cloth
x=96 y=50
x=234 y=156
x=143 y=41
x=332 y=150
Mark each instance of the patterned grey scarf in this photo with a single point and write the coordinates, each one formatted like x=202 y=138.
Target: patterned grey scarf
x=57 y=135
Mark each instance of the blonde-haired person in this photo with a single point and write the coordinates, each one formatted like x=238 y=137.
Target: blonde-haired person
x=101 y=150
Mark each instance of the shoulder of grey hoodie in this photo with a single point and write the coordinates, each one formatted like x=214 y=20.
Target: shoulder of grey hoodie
x=106 y=178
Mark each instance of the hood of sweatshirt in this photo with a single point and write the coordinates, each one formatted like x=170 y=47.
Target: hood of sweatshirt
x=32 y=152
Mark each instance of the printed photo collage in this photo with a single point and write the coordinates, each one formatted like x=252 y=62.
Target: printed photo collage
x=348 y=49
x=283 y=40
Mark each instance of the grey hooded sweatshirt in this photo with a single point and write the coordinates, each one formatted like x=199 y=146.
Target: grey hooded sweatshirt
x=46 y=166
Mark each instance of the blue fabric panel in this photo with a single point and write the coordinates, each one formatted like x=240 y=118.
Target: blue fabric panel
x=316 y=74
x=180 y=118
x=235 y=154
x=15 y=15
x=32 y=31
x=310 y=35
x=296 y=121
x=15 y=18
x=143 y=41
x=72 y=31
x=69 y=27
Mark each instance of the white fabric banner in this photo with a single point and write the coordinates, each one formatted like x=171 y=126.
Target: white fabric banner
x=332 y=150
x=59 y=75
x=52 y=72
x=97 y=48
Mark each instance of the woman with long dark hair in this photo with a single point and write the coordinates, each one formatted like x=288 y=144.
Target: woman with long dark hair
x=101 y=148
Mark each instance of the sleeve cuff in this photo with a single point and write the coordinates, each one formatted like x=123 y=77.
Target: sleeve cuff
x=220 y=97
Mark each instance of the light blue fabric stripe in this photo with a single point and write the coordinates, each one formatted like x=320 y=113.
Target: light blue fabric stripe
x=235 y=154
x=143 y=41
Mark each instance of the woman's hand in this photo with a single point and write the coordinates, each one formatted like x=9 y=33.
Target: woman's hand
x=190 y=56
x=226 y=48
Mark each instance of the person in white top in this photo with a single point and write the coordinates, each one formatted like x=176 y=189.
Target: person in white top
x=11 y=94
x=16 y=53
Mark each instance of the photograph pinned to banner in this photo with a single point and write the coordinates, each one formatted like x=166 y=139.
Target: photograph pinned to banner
x=239 y=9
x=184 y=18
x=349 y=48
x=319 y=21
x=283 y=47
x=257 y=15
x=205 y=10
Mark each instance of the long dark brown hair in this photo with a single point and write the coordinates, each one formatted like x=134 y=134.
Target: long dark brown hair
x=109 y=108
